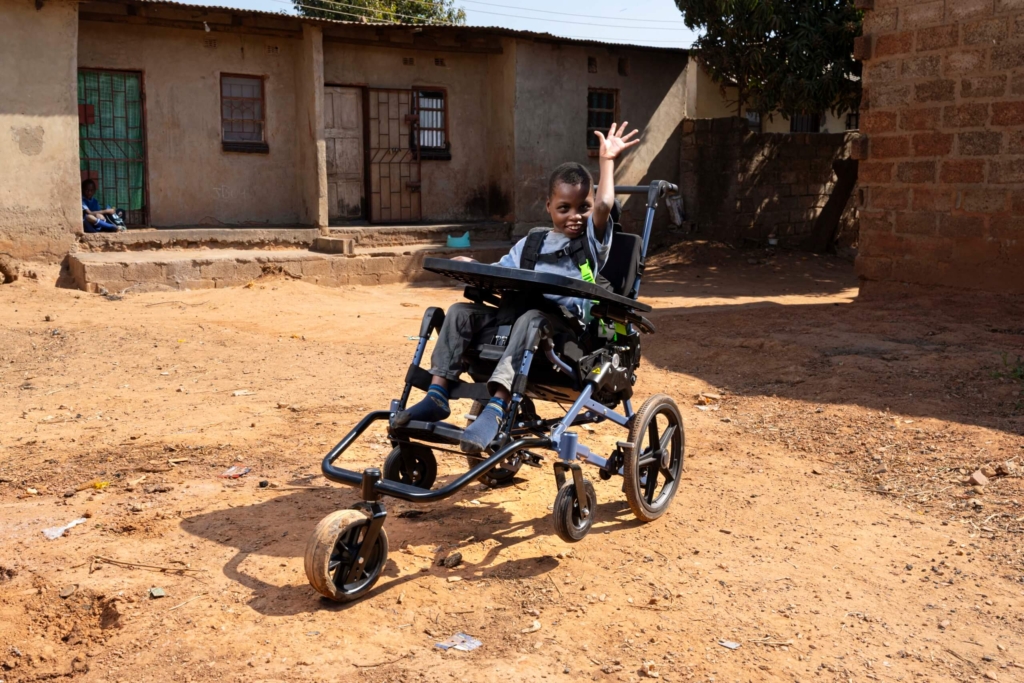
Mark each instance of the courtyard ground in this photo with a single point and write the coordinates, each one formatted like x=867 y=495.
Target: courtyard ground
x=825 y=521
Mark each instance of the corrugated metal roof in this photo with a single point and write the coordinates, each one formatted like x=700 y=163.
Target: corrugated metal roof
x=496 y=30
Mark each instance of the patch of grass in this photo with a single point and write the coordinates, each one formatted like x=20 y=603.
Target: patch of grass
x=1012 y=370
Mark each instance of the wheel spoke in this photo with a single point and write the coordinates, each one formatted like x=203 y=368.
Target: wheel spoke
x=651 y=485
x=666 y=438
x=667 y=474
x=652 y=431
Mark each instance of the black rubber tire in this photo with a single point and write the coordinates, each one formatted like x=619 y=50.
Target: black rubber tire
x=411 y=463
x=332 y=548
x=570 y=525
x=645 y=500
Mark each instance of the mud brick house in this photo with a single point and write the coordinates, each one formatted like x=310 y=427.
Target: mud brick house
x=942 y=170
x=212 y=119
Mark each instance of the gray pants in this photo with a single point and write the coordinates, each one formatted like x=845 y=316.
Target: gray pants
x=467 y=324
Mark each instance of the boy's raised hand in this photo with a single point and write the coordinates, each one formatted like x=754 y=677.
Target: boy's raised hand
x=614 y=143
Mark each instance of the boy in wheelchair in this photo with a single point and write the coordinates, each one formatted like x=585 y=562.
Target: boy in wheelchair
x=577 y=246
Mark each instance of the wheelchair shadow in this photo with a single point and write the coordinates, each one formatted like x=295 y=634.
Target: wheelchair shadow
x=270 y=536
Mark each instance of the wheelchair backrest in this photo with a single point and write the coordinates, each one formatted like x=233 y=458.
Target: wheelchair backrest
x=623 y=261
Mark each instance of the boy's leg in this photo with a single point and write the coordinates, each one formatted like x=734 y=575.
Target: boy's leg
x=485 y=427
x=461 y=323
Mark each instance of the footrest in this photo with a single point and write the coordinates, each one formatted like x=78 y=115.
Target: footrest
x=435 y=432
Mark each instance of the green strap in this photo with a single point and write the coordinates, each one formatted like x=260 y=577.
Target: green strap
x=586 y=273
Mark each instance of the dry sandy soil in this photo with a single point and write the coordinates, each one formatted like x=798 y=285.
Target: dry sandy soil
x=824 y=522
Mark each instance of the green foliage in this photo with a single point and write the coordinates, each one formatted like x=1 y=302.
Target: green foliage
x=1014 y=370
x=790 y=56
x=384 y=11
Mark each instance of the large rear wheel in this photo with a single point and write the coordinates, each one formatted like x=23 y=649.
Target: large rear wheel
x=653 y=465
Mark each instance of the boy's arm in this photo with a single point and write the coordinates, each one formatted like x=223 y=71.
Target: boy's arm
x=611 y=146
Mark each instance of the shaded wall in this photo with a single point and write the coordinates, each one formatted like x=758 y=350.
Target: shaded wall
x=455 y=189
x=40 y=211
x=943 y=175
x=551 y=118
x=192 y=181
x=741 y=187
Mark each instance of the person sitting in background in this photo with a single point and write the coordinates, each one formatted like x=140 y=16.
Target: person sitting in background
x=95 y=217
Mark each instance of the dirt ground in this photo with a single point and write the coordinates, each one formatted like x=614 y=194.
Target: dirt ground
x=824 y=522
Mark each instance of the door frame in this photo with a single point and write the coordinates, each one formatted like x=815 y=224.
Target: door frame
x=145 y=128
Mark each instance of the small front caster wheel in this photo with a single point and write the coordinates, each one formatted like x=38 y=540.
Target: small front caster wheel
x=335 y=547
x=413 y=464
x=573 y=518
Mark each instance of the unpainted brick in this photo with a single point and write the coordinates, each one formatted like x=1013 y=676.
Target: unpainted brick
x=1009 y=56
x=932 y=144
x=862 y=48
x=882 y=243
x=875 y=172
x=893 y=44
x=932 y=199
x=963 y=62
x=875 y=222
x=983 y=86
x=1017 y=84
x=1008 y=113
x=920 y=119
x=180 y=271
x=942 y=90
x=972 y=115
x=917 y=16
x=962 y=171
x=958 y=225
x=880 y=22
x=986 y=201
x=979 y=143
x=144 y=272
x=873 y=267
x=1017 y=27
x=916 y=223
x=958 y=10
x=1009 y=5
x=877 y=121
x=977 y=251
x=1007 y=171
x=938 y=38
x=1017 y=203
x=987 y=32
x=916 y=172
x=1015 y=142
x=104 y=272
x=921 y=67
x=888 y=198
x=884 y=72
x=1006 y=227
x=886 y=147
x=888 y=95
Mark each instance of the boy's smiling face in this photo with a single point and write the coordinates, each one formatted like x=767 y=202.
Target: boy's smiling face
x=569 y=207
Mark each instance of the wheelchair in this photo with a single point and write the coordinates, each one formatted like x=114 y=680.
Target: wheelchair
x=595 y=373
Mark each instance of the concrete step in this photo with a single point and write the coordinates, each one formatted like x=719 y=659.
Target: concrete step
x=152 y=270
x=334 y=245
x=195 y=238
x=395 y=235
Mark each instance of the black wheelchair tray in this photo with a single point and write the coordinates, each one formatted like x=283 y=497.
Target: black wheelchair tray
x=500 y=279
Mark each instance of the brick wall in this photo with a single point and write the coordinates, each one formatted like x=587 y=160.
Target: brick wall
x=741 y=187
x=942 y=168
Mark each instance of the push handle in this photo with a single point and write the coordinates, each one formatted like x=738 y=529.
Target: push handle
x=655 y=191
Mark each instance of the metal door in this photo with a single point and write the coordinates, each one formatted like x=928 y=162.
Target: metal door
x=343 y=133
x=112 y=139
x=394 y=165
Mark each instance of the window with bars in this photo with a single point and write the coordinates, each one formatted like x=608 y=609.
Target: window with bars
x=602 y=111
x=853 y=120
x=754 y=121
x=242 y=114
x=430 y=136
x=805 y=123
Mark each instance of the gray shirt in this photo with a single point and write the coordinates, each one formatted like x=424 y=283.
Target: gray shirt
x=554 y=241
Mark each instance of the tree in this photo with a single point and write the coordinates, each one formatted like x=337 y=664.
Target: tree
x=384 y=11
x=787 y=56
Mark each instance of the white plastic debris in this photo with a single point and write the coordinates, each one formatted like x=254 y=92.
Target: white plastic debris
x=460 y=641
x=55 y=532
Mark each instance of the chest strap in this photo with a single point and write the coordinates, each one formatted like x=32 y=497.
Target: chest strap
x=578 y=251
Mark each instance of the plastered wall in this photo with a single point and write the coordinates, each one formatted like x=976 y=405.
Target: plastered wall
x=39 y=179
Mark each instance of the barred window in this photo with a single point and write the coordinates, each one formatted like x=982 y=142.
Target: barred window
x=602 y=111
x=853 y=120
x=432 y=130
x=242 y=114
x=805 y=123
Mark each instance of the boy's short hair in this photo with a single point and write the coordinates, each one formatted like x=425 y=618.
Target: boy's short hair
x=570 y=173
x=88 y=181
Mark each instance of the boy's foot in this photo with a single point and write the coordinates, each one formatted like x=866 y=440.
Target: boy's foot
x=478 y=435
x=432 y=408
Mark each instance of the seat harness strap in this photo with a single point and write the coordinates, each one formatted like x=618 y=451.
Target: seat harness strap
x=578 y=250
